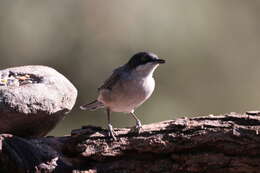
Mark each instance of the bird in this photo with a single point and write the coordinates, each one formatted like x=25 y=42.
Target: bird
x=128 y=87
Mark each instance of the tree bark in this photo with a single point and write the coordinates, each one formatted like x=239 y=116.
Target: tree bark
x=212 y=144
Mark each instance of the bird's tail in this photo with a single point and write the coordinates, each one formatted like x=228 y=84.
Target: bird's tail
x=92 y=106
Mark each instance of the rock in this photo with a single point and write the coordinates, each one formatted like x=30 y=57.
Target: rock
x=33 y=99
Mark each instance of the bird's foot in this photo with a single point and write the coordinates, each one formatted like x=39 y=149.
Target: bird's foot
x=111 y=132
x=137 y=128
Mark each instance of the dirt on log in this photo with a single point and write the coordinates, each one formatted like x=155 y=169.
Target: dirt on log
x=212 y=144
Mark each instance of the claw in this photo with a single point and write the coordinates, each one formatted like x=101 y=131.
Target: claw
x=111 y=132
x=137 y=128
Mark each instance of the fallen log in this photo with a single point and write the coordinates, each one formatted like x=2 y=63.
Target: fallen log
x=227 y=143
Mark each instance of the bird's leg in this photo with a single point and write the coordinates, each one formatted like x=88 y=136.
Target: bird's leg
x=138 y=122
x=111 y=132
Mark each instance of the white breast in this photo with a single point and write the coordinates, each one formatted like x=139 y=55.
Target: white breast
x=148 y=86
x=135 y=93
x=128 y=95
x=129 y=92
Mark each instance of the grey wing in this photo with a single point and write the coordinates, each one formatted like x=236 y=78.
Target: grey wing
x=110 y=82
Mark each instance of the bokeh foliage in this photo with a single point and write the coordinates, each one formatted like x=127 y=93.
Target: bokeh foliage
x=212 y=50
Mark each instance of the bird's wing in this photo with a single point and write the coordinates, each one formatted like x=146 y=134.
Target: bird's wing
x=92 y=106
x=112 y=80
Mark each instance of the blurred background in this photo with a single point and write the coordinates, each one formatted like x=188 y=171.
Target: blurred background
x=212 y=50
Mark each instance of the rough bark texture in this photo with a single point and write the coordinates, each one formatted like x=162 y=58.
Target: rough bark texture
x=33 y=99
x=212 y=144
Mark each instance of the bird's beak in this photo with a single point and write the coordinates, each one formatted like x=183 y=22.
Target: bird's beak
x=160 y=61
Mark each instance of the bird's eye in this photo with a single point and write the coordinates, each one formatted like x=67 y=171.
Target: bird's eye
x=144 y=59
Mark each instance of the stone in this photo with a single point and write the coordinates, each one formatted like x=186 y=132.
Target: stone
x=33 y=99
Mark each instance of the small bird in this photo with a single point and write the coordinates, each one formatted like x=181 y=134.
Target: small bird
x=129 y=86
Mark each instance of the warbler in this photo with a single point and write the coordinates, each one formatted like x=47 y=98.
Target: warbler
x=129 y=86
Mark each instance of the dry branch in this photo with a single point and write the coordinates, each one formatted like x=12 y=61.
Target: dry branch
x=225 y=144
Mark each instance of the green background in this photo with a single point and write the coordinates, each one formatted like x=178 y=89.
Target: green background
x=212 y=50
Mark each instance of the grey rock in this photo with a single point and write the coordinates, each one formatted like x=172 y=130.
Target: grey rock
x=33 y=99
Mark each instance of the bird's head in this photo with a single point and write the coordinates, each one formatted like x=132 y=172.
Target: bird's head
x=144 y=62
